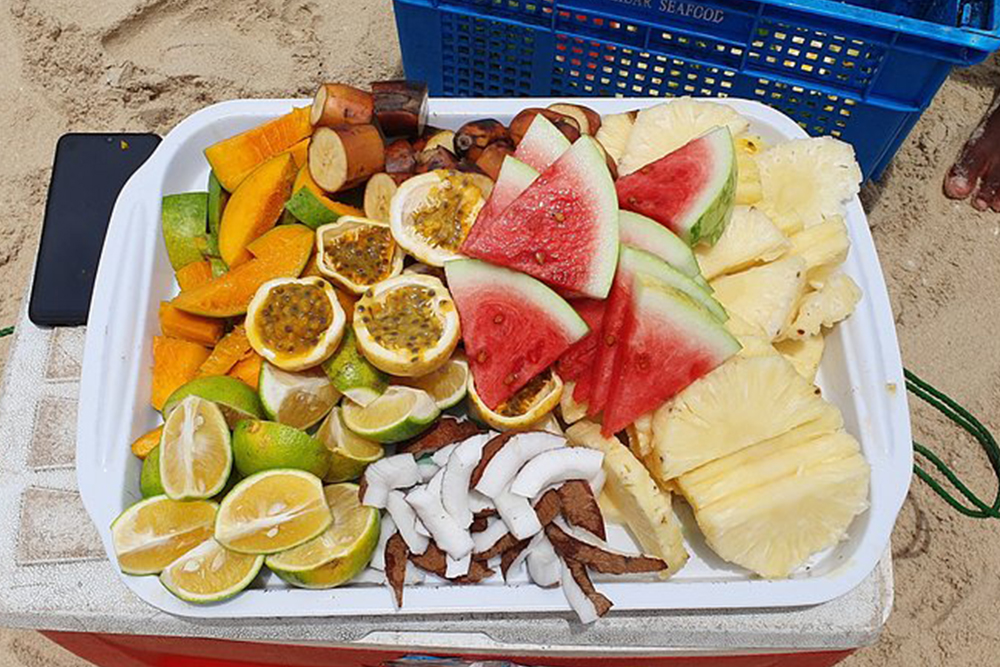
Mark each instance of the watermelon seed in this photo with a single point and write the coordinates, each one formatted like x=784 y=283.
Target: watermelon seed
x=498 y=319
x=540 y=257
x=610 y=339
x=633 y=201
x=558 y=216
x=509 y=379
x=481 y=357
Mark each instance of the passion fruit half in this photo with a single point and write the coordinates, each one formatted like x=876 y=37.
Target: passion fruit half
x=357 y=252
x=295 y=323
x=527 y=407
x=431 y=214
x=407 y=325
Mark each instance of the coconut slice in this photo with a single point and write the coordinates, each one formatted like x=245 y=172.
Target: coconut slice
x=446 y=431
x=597 y=481
x=555 y=467
x=583 y=598
x=506 y=463
x=518 y=514
x=393 y=472
x=457 y=475
x=435 y=561
x=478 y=503
x=484 y=541
x=421 y=529
x=543 y=563
x=440 y=457
x=387 y=528
x=370 y=575
x=548 y=507
x=396 y=556
x=457 y=568
x=597 y=554
x=580 y=507
x=406 y=522
x=427 y=469
x=518 y=554
x=452 y=538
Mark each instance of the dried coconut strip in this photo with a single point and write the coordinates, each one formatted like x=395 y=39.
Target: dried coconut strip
x=490 y=450
x=607 y=562
x=580 y=507
x=396 y=556
x=446 y=431
x=576 y=580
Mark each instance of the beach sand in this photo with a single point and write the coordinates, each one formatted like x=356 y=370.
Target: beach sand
x=142 y=65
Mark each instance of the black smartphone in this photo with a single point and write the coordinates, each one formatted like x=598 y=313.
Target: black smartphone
x=88 y=172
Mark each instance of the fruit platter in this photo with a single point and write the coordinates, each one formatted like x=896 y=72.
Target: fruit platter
x=375 y=353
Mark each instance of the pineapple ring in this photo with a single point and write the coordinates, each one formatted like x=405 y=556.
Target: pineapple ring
x=528 y=406
x=357 y=253
x=407 y=325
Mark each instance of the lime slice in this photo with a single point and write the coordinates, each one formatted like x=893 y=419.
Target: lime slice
x=272 y=511
x=195 y=453
x=149 y=482
x=296 y=399
x=341 y=552
x=153 y=533
x=234 y=397
x=447 y=385
x=352 y=374
x=210 y=573
x=398 y=414
x=260 y=445
x=350 y=454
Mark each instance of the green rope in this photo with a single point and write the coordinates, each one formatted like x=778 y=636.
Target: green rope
x=963 y=418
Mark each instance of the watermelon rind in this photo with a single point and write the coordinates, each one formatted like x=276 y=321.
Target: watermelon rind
x=709 y=213
x=639 y=262
x=644 y=233
x=541 y=145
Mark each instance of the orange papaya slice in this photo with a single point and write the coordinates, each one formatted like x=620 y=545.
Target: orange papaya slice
x=194 y=274
x=233 y=159
x=248 y=369
x=175 y=362
x=230 y=350
x=300 y=152
x=175 y=323
x=255 y=207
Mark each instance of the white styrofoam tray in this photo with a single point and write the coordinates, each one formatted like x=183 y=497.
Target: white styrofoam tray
x=861 y=373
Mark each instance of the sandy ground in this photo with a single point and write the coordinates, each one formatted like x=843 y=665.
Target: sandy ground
x=142 y=65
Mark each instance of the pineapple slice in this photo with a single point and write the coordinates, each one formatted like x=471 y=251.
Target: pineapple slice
x=822 y=245
x=646 y=508
x=640 y=436
x=821 y=275
x=749 y=238
x=804 y=354
x=614 y=131
x=766 y=295
x=570 y=409
x=743 y=402
x=748 y=190
x=666 y=127
x=806 y=180
x=750 y=144
x=834 y=302
x=780 y=502
x=750 y=336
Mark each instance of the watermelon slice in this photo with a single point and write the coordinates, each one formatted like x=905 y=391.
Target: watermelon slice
x=669 y=342
x=562 y=230
x=513 y=326
x=513 y=179
x=632 y=264
x=576 y=362
x=691 y=191
x=541 y=145
x=646 y=234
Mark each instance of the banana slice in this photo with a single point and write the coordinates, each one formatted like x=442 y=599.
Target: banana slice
x=378 y=196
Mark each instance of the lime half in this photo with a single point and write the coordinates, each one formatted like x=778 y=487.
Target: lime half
x=210 y=573
x=153 y=533
x=398 y=414
x=296 y=399
x=350 y=454
x=235 y=398
x=195 y=453
x=260 y=445
x=341 y=552
x=149 y=482
x=353 y=375
x=447 y=385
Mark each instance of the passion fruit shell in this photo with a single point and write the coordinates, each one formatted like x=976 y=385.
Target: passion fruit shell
x=295 y=323
x=526 y=408
x=357 y=252
x=431 y=214
x=407 y=325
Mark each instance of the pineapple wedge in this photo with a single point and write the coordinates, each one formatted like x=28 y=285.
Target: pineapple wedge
x=743 y=402
x=822 y=245
x=748 y=189
x=570 y=409
x=766 y=295
x=640 y=436
x=804 y=354
x=834 y=302
x=749 y=238
x=646 y=508
x=666 y=127
x=614 y=131
x=750 y=336
x=804 y=181
x=772 y=506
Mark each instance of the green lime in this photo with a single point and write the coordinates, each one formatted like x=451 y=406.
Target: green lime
x=353 y=375
x=260 y=445
x=447 y=385
x=296 y=399
x=149 y=481
x=195 y=456
x=398 y=414
x=235 y=398
x=210 y=573
x=350 y=454
x=340 y=552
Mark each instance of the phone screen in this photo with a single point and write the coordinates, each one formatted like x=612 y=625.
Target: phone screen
x=88 y=173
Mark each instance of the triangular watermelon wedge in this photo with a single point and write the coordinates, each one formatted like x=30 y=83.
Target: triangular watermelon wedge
x=576 y=363
x=669 y=342
x=691 y=191
x=513 y=326
x=562 y=230
x=513 y=179
x=542 y=144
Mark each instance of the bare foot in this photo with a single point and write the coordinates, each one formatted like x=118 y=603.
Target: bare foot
x=978 y=166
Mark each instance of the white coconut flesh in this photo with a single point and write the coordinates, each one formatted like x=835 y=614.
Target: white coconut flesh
x=501 y=470
x=387 y=528
x=485 y=540
x=543 y=564
x=518 y=514
x=555 y=467
x=457 y=567
x=480 y=503
x=462 y=461
x=578 y=600
x=441 y=456
x=448 y=535
x=406 y=523
x=393 y=472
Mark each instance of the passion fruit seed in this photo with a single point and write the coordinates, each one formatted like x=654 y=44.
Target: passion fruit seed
x=404 y=319
x=294 y=317
x=362 y=255
x=446 y=216
x=526 y=396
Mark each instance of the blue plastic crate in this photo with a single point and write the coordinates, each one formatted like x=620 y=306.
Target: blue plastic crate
x=863 y=72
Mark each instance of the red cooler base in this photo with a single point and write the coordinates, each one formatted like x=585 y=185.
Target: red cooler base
x=148 y=651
